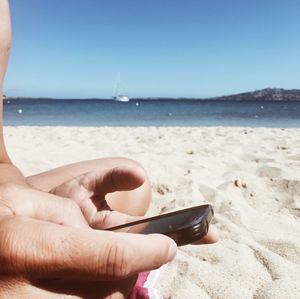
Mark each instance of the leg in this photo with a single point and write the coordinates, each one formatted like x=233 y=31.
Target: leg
x=134 y=202
x=5 y=45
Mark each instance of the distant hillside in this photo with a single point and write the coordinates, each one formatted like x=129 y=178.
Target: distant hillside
x=267 y=94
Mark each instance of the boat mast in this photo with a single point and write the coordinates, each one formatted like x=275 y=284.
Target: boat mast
x=116 y=88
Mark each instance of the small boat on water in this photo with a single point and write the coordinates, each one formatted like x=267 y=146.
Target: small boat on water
x=121 y=98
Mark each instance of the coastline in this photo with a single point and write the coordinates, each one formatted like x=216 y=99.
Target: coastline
x=250 y=175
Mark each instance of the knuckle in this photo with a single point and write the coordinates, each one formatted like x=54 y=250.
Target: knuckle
x=161 y=256
x=8 y=247
x=87 y=180
x=100 y=220
x=117 y=260
x=73 y=207
x=8 y=189
x=8 y=195
x=74 y=215
x=74 y=210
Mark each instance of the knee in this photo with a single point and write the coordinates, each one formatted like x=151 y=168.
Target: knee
x=135 y=202
x=121 y=161
x=129 y=162
x=132 y=163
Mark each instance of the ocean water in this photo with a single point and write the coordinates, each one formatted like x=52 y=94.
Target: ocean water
x=151 y=113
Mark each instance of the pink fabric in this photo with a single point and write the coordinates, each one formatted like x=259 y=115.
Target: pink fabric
x=139 y=292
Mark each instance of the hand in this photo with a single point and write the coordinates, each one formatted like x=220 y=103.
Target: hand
x=48 y=250
x=89 y=191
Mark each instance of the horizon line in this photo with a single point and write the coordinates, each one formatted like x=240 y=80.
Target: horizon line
x=274 y=89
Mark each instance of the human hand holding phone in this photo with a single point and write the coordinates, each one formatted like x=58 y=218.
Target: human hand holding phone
x=184 y=226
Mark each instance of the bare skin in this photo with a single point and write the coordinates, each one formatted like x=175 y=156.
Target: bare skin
x=5 y=46
x=52 y=242
x=122 y=201
x=47 y=246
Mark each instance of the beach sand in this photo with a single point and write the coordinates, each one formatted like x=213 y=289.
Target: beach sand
x=250 y=175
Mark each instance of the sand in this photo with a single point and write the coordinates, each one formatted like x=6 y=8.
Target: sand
x=250 y=176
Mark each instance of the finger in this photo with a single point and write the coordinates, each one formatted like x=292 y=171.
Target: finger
x=46 y=250
x=211 y=237
x=122 y=178
x=106 y=219
x=32 y=203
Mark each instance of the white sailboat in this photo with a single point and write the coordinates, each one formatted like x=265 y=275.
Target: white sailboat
x=122 y=98
x=117 y=96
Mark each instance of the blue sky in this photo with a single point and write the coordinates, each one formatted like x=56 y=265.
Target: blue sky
x=168 y=48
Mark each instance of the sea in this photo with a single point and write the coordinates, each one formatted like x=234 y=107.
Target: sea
x=162 y=112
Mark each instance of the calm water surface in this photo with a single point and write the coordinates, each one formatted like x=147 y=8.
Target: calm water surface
x=152 y=113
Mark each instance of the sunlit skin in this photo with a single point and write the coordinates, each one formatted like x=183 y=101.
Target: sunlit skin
x=52 y=242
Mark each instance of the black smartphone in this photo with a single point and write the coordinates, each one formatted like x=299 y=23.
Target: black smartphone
x=183 y=226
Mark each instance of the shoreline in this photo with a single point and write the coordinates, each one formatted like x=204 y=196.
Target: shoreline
x=250 y=175
x=150 y=127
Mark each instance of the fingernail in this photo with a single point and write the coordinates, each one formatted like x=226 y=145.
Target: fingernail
x=172 y=251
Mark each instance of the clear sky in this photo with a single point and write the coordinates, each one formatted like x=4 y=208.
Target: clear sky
x=175 y=48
